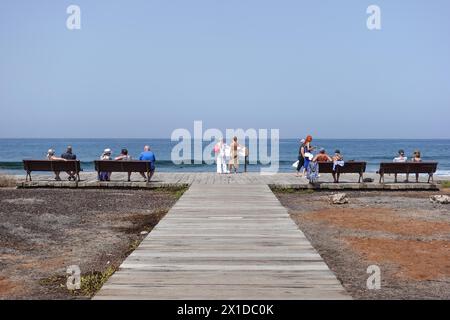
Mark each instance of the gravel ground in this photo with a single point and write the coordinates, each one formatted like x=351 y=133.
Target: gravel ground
x=43 y=231
x=403 y=233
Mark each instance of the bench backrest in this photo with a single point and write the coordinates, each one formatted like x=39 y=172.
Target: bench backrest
x=349 y=167
x=408 y=167
x=122 y=166
x=51 y=165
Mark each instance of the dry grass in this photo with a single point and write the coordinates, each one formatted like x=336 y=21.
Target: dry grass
x=7 y=181
x=445 y=184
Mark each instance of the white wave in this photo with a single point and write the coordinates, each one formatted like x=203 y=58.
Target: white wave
x=442 y=173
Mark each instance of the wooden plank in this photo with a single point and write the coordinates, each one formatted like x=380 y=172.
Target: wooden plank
x=224 y=241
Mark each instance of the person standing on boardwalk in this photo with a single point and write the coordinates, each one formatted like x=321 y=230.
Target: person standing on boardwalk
x=219 y=150
x=69 y=155
x=307 y=151
x=234 y=155
x=301 y=159
x=148 y=155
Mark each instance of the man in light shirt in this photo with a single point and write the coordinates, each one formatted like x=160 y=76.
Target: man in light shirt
x=401 y=156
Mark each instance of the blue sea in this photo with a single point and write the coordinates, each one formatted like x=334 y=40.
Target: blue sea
x=373 y=151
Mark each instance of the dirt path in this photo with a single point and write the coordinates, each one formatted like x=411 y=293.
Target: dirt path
x=403 y=233
x=44 y=231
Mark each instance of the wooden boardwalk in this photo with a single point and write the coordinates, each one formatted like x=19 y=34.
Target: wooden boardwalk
x=287 y=180
x=222 y=241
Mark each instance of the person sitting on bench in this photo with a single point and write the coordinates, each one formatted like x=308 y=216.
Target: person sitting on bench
x=400 y=158
x=123 y=156
x=69 y=155
x=106 y=155
x=51 y=156
x=416 y=158
x=148 y=155
x=338 y=160
x=322 y=156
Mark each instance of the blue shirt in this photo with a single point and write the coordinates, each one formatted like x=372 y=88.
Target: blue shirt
x=148 y=156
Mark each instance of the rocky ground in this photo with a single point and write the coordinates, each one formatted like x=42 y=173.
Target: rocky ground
x=403 y=233
x=43 y=231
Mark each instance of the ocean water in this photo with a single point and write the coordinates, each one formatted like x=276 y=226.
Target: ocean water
x=373 y=151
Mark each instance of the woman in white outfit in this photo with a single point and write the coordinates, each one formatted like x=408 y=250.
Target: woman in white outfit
x=219 y=149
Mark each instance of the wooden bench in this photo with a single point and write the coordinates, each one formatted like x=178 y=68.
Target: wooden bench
x=358 y=167
x=52 y=165
x=123 y=166
x=407 y=168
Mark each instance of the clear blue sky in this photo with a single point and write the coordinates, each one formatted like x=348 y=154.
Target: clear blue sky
x=145 y=68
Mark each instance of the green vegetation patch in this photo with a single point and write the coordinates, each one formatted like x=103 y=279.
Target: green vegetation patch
x=281 y=189
x=445 y=184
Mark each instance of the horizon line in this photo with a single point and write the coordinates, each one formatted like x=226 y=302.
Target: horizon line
x=165 y=138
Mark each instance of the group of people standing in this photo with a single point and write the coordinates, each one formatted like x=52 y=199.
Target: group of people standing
x=146 y=155
x=221 y=150
x=307 y=161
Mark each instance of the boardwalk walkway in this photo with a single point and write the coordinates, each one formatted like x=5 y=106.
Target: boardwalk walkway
x=222 y=241
x=164 y=179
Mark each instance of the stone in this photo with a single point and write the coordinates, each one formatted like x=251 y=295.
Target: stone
x=440 y=198
x=339 y=198
x=144 y=232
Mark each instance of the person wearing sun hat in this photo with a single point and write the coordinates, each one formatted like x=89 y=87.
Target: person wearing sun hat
x=106 y=155
x=51 y=156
